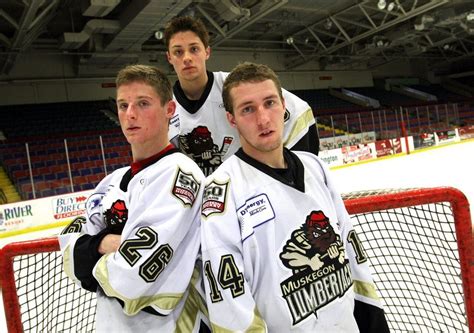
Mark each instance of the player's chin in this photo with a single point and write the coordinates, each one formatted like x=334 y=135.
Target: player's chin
x=268 y=146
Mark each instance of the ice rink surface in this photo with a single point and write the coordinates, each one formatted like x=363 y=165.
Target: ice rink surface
x=451 y=165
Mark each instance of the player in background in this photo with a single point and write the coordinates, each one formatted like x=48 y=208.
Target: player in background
x=199 y=125
x=279 y=251
x=138 y=244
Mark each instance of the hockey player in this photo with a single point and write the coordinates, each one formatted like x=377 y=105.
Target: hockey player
x=138 y=244
x=279 y=250
x=199 y=125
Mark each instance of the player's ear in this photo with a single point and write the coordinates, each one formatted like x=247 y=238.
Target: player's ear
x=208 y=52
x=231 y=119
x=168 y=56
x=170 y=109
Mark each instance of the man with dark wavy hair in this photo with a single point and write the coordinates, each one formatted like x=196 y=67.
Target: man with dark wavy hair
x=198 y=96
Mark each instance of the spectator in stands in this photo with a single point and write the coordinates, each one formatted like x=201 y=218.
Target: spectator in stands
x=274 y=223
x=137 y=246
x=199 y=126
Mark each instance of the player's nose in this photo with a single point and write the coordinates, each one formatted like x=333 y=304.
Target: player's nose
x=262 y=115
x=131 y=111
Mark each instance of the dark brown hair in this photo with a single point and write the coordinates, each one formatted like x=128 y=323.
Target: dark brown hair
x=183 y=24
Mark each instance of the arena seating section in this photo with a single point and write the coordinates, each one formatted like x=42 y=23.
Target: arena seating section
x=48 y=128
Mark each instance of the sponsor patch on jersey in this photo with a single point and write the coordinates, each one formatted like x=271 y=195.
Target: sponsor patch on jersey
x=256 y=210
x=214 y=198
x=186 y=187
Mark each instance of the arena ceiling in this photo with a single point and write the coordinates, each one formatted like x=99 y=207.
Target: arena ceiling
x=314 y=34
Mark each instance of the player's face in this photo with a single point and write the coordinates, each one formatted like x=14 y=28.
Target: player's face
x=258 y=116
x=188 y=55
x=143 y=119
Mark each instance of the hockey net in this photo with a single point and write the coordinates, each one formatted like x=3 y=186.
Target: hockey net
x=419 y=243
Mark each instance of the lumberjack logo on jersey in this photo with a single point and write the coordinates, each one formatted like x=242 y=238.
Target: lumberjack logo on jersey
x=186 y=187
x=199 y=145
x=213 y=201
x=321 y=274
x=116 y=216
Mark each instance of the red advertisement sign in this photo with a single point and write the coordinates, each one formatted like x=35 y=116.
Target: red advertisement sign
x=383 y=148
x=466 y=132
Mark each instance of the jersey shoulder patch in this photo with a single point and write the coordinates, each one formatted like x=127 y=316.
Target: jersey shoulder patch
x=186 y=187
x=214 y=198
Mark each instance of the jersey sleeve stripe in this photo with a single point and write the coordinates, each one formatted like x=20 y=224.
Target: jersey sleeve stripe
x=162 y=303
x=300 y=128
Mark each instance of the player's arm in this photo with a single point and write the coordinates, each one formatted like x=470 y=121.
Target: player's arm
x=79 y=241
x=300 y=126
x=228 y=296
x=309 y=142
x=368 y=310
x=153 y=266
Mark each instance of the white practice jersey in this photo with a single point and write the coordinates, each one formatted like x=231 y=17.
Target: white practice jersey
x=144 y=286
x=280 y=258
x=207 y=137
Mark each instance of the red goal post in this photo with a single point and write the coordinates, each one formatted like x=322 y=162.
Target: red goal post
x=419 y=242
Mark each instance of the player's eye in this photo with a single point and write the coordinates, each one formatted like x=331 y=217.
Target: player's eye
x=178 y=53
x=122 y=107
x=270 y=103
x=143 y=103
x=246 y=110
x=194 y=49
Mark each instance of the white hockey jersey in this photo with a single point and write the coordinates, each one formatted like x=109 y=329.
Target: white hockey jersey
x=205 y=135
x=145 y=285
x=280 y=258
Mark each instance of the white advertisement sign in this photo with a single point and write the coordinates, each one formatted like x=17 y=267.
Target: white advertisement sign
x=42 y=213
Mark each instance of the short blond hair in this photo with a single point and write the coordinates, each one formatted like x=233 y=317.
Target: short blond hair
x=150 y=75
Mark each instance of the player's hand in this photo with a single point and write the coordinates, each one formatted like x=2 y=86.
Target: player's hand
x=109 y=244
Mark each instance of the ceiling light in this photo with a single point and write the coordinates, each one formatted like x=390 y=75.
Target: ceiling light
x=290 y=40
x=391 y=6
x=419 y=26
x=470 y=17
x=427 y=18
x=328 y=24
x=381 y=4
x=159 y=35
